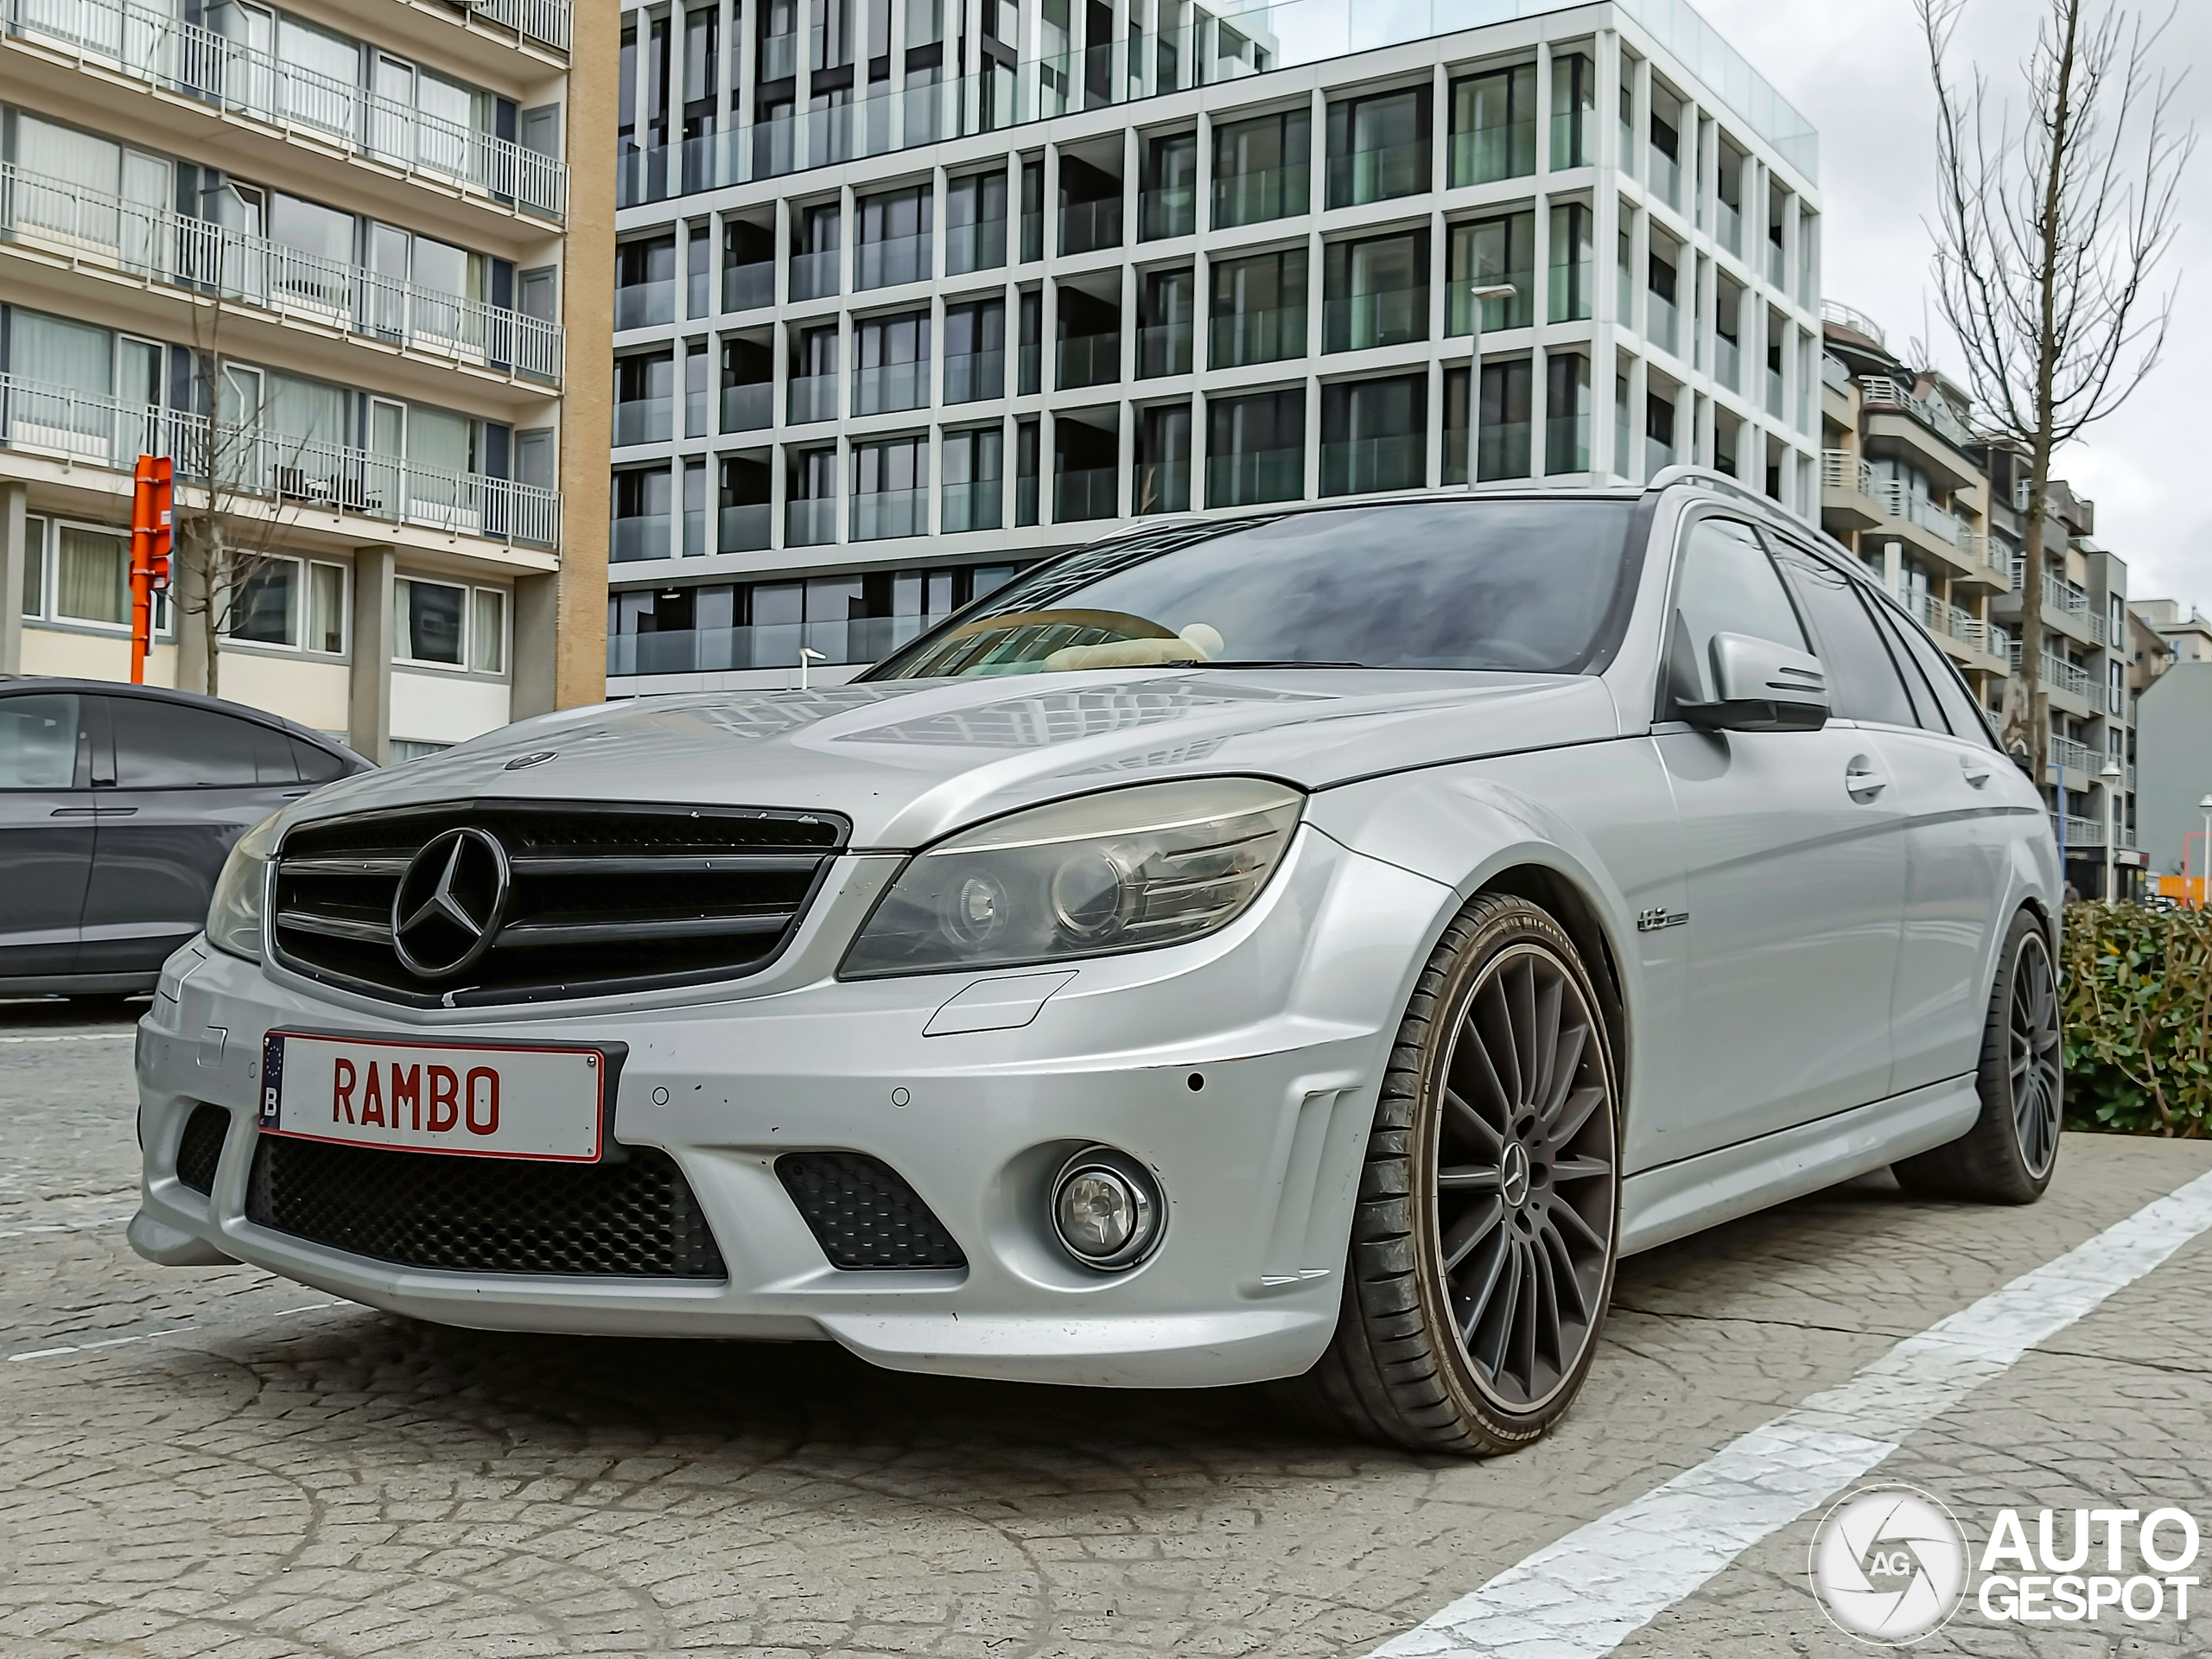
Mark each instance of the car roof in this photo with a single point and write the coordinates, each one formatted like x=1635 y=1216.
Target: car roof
x=46 y=683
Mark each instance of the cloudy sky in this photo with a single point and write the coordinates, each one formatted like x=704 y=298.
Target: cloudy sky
x=1860 y=73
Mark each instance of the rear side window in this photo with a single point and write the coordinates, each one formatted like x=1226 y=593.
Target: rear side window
x=174 y=746
x=1728 y=585
x=1933 y=676
x=315 y=765
x=1862 y=682
x=38 y=742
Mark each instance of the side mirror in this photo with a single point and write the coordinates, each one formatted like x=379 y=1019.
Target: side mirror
x=2024 y=761
x=1762 y=687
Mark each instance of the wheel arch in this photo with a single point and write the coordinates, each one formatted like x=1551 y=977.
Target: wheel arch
x=1554 y=891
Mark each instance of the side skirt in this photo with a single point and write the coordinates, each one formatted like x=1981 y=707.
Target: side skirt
x=1660 y=1205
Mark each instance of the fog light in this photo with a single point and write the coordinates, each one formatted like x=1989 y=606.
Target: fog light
x=1106 y=1209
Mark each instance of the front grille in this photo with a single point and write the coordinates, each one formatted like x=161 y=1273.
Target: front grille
x=201 y=1147
x=863 y=1214
x=634 y=1219
x=601 y=898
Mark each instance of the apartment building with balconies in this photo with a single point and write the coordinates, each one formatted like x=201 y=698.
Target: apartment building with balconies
x=908 y=296
x=332 y=261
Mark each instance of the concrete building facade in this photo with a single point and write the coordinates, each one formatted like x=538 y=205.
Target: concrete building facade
x=909 y=295
x=334 y=262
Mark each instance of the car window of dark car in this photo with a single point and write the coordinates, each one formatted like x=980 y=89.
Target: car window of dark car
x=315 y=765
x=1862 y=682
x=38 y=742
x=1934 y=681
x=1727 y=585
x=175 y=745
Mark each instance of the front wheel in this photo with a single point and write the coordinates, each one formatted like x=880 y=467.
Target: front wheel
x=2009 y=1154
x=1483 y=1244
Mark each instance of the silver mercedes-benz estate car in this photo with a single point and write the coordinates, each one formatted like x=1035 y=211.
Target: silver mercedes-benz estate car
x=1310 y=945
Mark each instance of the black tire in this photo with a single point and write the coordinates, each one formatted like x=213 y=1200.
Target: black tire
x=2009 y=1154
x=1471 y=1315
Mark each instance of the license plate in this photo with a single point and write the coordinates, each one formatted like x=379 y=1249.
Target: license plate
x=475 y=1100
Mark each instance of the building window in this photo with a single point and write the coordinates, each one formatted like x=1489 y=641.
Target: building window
x=974 y=483
x=1166 y=307
x=811 y=499
x=815 y=239
x=1494 y=126
x=1086 y=468
x=1659 y=305
x=748 y=386
x=891 y=363
x=645 y=398
x=1575 y=111
x=35 y=567
x=975 y=352
x=644 y=283
x=1567 y=413
x=1484 y=254
x=1375 y=435
x=429 y=619
x=1658 y=433
x=1573 y=269
x=1374 y=292
x=1258 y=309
x=487 y=651
x=1263 y=168
x=975 y=223
x=748 y=265
x=891 y=489
x=1378 y=147
x=813 y=391
x=1090 y=337
x=1164 y=459
x=1028 y=444
x=263 y=612
x=1255 y=448
x=1169 y=189
x=1502 y=430
x=743 y=507
x=641 y=515
x=1090 y=206
x=893 y=244
x=91 y=576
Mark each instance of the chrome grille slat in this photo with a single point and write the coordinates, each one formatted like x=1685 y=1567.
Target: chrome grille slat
x=600 y=897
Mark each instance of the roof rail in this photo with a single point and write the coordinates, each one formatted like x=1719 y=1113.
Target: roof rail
x=1711 y=479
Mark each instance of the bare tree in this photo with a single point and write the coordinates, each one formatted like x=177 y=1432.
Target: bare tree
x=2051 y=231
x=237 y=484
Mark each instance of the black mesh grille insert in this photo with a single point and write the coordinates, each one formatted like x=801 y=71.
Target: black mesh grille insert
x=201 y=1148
x=635 y=1219
x=598 y=897
x=863 y=1213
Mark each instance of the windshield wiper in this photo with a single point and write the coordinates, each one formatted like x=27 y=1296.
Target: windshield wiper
x=1256 y=661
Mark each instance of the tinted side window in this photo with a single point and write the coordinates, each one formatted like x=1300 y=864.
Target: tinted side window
x=1934 y=674
x=38 y=742
x=1862 y=680
x=174 y=745
x=315 y=765
x=1727 y=585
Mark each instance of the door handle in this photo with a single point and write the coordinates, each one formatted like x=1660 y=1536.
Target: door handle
x=92 y=811
x=297 y=794
x=1976 y=768
x=1861 y=781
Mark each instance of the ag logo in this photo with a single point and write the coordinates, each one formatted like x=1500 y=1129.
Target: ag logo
x=1889 y=1565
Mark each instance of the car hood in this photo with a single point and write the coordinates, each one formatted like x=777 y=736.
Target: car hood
x=907 y=761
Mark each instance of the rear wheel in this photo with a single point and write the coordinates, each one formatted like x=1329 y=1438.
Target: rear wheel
x=1483 y=1244
x=2009 y=1154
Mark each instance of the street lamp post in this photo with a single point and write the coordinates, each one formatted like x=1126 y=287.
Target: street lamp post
x=2204 y=856
x=2111 y=777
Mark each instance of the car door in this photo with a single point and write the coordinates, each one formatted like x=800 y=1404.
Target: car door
x=1962 y=810
x=1793 y=878
x=177 y=783
x=46 y=832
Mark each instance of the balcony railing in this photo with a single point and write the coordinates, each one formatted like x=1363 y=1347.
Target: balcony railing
x=743 y=527
x=1360 y=465
x=1952 y=622
x=1881 y=392
x=644 y=420
x=813 y=398
x=1164 y=348
x=2074 y=756
x=643 y=536
x=891 y=262
x=749 y=408
x=1255 y=476
x=1268 y=335
x=1378 y=175
x=1086 y=226
x=1899 y=500
x=1171 y=211
x=1084 y=492
x=1386 y=317
x=165 y=52
x=541 y=20
x=814 y=276
x=1264 y=193
x=1858 y=322
x=889 y=386
x=978 y=505
x=289 y=473
x=810 y=522
x=747 y=288
x=2090 y=832
x=975 y=247
x=162 y=246
x=2056 y=671
x=972 y=377
x=889 y=513
x=1486 y=155
x=1090 y=360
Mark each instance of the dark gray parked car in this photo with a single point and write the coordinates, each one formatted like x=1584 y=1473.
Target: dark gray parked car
x=117 y=806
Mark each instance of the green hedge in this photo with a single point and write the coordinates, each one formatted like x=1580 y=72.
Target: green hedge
x=2138 y=1020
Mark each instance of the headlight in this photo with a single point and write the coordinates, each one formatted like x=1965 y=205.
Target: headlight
x=1125 y=869
x=234 y=914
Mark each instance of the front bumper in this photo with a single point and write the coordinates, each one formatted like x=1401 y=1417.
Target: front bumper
x=1241 y=1069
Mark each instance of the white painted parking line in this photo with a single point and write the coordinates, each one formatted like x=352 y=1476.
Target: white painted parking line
x=166 y=1331
x=1584 y=1594
x=76 y=1037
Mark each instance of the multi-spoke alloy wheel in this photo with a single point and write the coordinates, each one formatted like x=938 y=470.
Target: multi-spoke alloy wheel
x=2032 y=1054
x=2008 y=1156
x=1483 y=1243
x=1524 y=1174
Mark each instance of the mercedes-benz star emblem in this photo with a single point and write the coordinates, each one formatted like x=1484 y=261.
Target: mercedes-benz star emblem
x=450 y=902
x=1514 y=1175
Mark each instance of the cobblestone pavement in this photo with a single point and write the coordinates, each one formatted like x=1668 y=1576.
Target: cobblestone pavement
x=213 y=1461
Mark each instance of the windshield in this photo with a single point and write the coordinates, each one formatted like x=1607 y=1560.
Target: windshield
x=1513 y=585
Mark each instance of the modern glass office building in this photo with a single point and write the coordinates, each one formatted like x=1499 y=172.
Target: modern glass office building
x=909 y=295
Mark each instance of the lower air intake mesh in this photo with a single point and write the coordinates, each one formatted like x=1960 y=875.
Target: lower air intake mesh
x=635 y=1219
x=863 y=1213
x=201 y=1148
